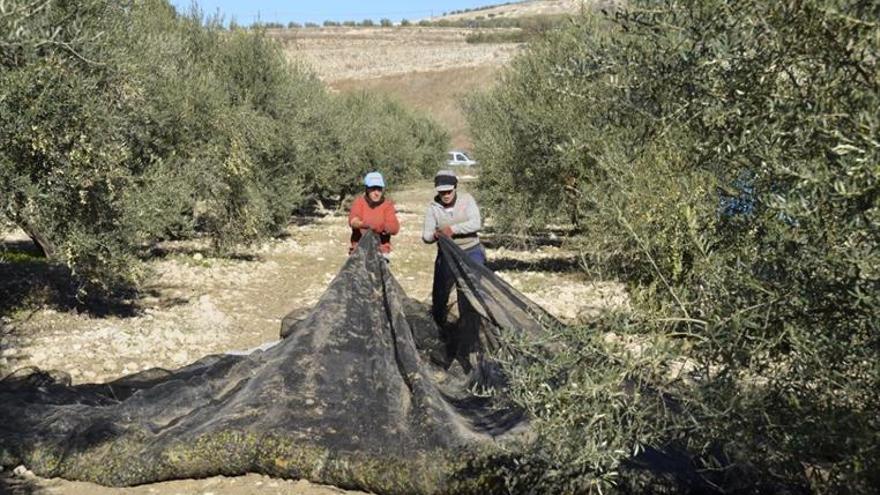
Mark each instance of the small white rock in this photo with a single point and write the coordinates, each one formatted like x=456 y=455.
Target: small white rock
x=20 y=471
x=198 y=257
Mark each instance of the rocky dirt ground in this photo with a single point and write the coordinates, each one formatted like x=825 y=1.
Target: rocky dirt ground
x=198 y=305
x=251 y=484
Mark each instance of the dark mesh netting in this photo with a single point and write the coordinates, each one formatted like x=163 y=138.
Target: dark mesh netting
x=364 y=391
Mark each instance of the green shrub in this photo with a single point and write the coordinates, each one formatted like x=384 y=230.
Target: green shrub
x=517 y=36
x=385 y=23
x=361 y=132
x=721 y=159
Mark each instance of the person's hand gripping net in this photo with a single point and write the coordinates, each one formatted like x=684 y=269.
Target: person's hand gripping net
x=443 y=232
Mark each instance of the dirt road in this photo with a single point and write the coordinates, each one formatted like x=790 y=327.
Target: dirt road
x=198 y=305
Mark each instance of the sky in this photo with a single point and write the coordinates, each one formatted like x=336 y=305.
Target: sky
x=284 y=11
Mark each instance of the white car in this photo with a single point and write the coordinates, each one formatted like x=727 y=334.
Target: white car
x=459 y=159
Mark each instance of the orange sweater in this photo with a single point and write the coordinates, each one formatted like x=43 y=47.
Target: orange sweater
x=381 y=218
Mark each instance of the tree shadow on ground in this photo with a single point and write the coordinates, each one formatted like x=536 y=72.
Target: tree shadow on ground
x=550 y=265
x=166 y=250
x=5 y=368
x=307 y=215
x=10 y=485
x=492 y=238
x=39 y=283
x=563 y=263
x=28 y=280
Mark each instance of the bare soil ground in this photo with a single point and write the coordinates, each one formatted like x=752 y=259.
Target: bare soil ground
x=198 y=305
x=251 y=484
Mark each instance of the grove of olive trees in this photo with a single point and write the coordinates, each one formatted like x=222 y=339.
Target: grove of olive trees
x=125 y=123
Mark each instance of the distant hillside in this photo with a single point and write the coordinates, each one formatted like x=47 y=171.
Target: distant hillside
x=526 y=9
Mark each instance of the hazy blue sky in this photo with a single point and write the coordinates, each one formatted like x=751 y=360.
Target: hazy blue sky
x=246 y=11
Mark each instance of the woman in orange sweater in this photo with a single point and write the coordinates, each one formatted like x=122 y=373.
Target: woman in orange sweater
x=373 y=211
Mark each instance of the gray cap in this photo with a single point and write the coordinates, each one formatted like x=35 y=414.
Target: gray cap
x=445 y=180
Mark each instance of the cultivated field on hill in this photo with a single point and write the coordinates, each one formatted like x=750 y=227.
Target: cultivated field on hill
x=345 y=53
